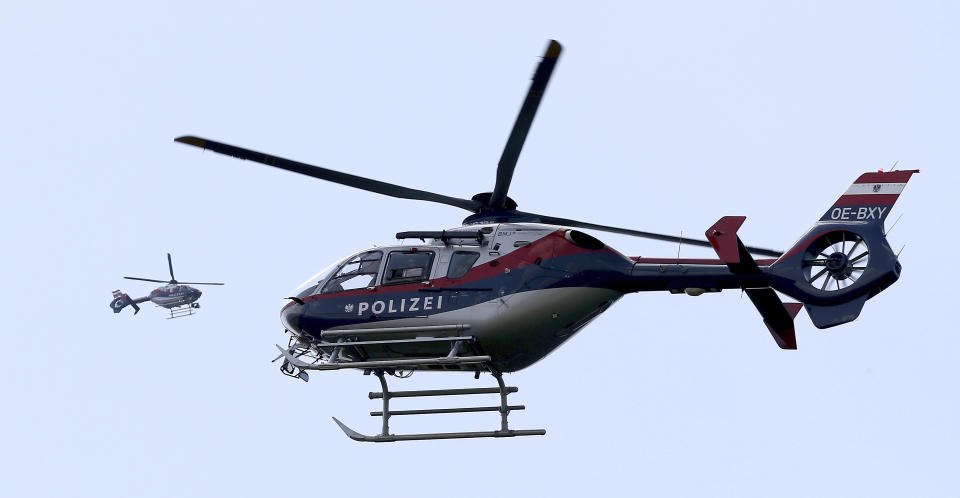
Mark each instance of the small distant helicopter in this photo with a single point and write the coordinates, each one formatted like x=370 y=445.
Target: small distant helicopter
x=506 y=288
x=176 y=296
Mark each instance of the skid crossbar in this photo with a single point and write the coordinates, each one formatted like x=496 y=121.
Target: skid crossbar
x=471 y=409
x=442 y=392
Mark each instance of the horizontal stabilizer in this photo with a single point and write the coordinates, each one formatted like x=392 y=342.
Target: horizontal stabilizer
x=777 y=315
x=723 y=237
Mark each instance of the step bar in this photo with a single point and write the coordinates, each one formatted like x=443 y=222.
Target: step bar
x=444 y=330
x=399 y=363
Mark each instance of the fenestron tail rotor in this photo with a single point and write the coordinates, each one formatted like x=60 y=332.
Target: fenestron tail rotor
x=835 y=261
x=493 y=206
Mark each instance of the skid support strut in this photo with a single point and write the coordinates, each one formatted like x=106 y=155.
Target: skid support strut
x=385 y=414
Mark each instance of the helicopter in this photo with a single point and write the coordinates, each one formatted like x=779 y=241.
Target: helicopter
x=506 y=287
x=178 y=297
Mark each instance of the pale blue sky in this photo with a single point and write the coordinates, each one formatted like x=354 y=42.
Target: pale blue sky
x=661 y=116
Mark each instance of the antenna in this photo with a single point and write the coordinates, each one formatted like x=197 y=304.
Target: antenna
x=895 y=163
x=894 y=224
x=900 y=251
x=678 y=246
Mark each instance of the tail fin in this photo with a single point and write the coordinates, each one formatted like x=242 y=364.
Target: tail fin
x=122 y=300
x=870 y=197
x=844 y=259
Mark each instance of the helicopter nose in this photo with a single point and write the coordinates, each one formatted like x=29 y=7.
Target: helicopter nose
x=290 y=316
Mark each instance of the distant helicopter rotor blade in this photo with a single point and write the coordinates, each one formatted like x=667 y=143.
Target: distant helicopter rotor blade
x=330 y=175
x=201 y=283
x=553 y=220
x=170 y=262
x=146 y=279
x=511 y=151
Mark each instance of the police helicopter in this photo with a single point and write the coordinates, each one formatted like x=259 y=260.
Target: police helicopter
x=178 y=297
x=507 y=287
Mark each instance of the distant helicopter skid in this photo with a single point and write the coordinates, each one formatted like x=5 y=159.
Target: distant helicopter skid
x=179 y=298
x=508 y=287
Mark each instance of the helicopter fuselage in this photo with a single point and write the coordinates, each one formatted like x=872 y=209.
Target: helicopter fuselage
x=528 y=288
x=174 y=295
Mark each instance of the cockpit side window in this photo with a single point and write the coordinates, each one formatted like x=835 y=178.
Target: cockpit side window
x=461 y=262
x=408 y=266
x=357 y=273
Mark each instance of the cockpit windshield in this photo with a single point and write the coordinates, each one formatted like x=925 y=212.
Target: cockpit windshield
x=358 y=272
x=309 y=285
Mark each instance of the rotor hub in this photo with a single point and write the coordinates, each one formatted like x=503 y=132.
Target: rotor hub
x=837 y=263
x=484 y=198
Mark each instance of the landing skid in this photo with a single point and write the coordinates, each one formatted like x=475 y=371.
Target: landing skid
x=385 y=414
x=182 y=311
x=320 y=359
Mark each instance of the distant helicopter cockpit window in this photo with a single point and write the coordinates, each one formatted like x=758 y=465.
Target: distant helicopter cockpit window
x=357 y=273
x=408 y=266
x=461 y=262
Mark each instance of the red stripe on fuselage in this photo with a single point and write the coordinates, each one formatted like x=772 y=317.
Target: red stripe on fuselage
x=692 y=261
x=867 y=200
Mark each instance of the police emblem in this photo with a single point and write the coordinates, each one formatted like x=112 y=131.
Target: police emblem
x=876 y=188
x=348 y=308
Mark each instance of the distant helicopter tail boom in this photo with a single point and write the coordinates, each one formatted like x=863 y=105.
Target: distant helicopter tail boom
x=122 y=300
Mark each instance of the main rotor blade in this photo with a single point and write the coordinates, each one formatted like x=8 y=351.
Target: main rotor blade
x=200 y=283
x=553 y=220
x=330 y=175
x=511 y=152
x=170 y=262
x=146 y=279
